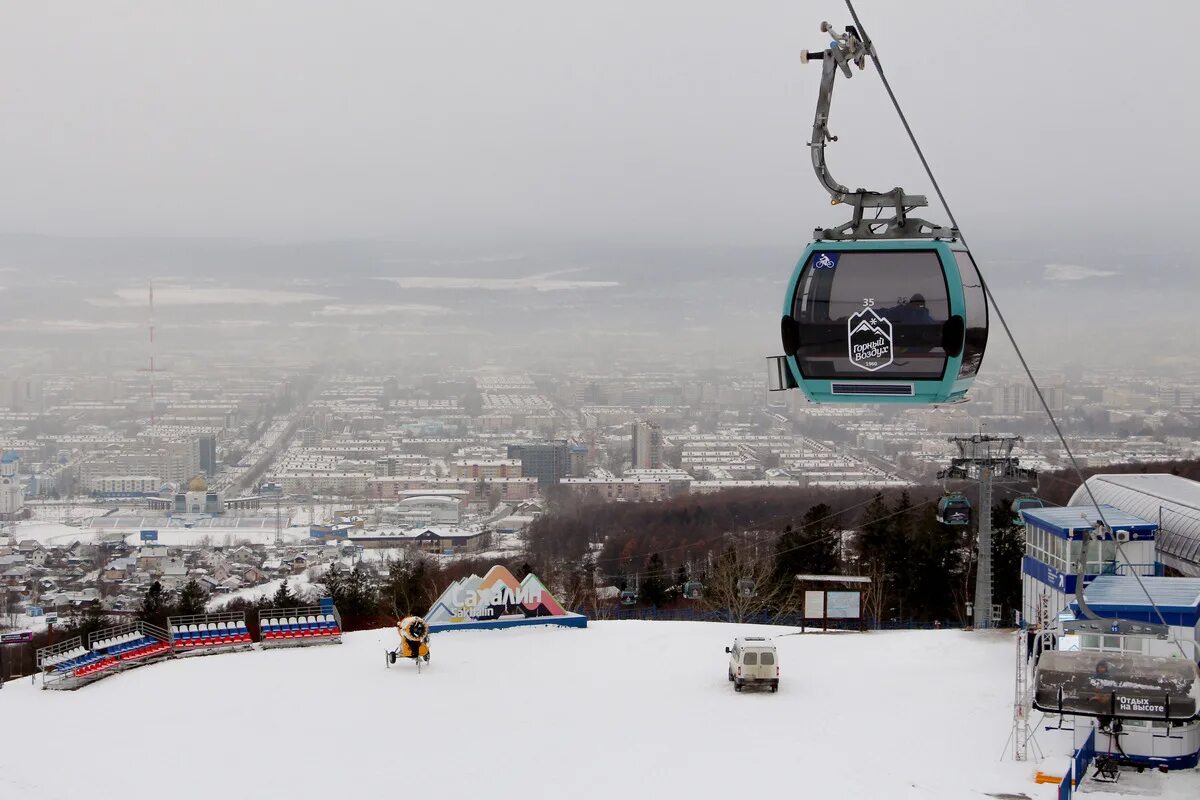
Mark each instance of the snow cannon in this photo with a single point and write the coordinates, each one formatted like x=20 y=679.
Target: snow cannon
x=414 y=640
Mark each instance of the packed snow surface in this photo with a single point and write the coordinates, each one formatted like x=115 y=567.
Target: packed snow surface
x=618 y=710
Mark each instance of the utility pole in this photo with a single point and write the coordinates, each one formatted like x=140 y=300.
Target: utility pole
x=985 y=458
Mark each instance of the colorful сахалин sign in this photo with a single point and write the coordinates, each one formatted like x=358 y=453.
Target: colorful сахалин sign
x=498 y=600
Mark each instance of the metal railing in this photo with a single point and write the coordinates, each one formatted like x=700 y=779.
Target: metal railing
x=54 y=660
x=103 y=653
x=1113 y=568
x=50 y=651
x=137 y=626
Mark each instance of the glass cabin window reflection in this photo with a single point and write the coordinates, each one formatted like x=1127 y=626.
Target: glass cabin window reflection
x=977 y=315
x=902 y=297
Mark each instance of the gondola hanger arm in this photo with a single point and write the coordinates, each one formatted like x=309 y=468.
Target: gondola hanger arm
x=847 y=50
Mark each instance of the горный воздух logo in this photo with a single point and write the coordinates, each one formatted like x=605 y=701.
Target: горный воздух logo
x=870 y=340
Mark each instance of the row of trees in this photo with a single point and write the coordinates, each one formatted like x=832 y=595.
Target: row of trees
x=919 y=568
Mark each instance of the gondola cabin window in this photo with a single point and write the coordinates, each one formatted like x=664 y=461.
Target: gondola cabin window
x=877 y=312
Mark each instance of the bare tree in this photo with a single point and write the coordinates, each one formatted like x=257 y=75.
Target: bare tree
x=744 y=587
x=962 y=590
x=874 y=596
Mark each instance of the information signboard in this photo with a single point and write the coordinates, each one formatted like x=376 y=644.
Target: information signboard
x=814 y=604
x=842 y=605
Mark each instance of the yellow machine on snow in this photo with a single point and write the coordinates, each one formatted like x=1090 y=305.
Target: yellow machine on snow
x=414 y=641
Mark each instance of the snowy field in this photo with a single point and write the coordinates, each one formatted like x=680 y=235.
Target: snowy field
x=619 y=710
x=297 y=584
x=58 y=533
x=50 y=533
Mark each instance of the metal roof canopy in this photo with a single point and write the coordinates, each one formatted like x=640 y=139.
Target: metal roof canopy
x=1072 y=522
x=834 y=578
x=1160 y=485
x=1121 y=596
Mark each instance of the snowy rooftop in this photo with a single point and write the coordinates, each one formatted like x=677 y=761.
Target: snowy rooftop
x=1124 y=591
x=1065 y=519
x=1162 y=486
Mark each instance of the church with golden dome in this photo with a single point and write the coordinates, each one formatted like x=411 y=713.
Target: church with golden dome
x=195 y=498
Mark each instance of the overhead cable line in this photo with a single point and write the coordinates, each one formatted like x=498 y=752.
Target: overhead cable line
x=870 y=48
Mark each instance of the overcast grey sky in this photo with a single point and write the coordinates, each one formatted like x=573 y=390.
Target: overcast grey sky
x=681 y=121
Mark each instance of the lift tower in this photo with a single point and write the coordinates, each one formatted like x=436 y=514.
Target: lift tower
x=985 y=458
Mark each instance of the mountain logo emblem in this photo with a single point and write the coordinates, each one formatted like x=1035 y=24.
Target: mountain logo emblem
x=870 y=340
x=496 y=596
x=825 y=261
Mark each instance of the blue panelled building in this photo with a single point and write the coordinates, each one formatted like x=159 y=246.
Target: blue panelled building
x=1053 y=540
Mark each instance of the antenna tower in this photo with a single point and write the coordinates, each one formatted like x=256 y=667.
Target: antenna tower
x=153 y=400
x=278 y=523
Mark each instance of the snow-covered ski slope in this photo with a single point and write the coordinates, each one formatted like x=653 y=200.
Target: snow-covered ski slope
x=619 y=710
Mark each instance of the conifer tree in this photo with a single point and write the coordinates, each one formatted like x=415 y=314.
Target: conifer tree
x=156 y=606
x=283 y=597
x=653 y=589
x=192 y=599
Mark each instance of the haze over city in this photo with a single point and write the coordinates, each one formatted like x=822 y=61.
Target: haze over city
x=602 y=177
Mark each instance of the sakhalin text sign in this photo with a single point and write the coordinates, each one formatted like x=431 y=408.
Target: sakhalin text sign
x=498 y=600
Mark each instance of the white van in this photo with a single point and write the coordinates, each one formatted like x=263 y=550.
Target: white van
x=753 y=661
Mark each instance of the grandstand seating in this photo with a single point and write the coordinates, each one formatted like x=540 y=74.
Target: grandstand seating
x=312 y=626
x=210 y=634
x=71 y=664
x=75 y=662
x=131 y=646
x=76 y=658
x=79 y=662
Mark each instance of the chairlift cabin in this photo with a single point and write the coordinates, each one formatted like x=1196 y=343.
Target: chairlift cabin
x=1146 y=708
x=889 y=309
x=628 y=597
x=1126 y=685
x=1022 y=503
x=745 y=587
x=954 y=509
x=693 y=590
